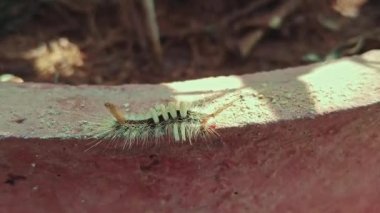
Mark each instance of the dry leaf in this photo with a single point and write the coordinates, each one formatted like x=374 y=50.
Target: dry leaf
x=348 y=8
x=10 y=78
x=249 y=41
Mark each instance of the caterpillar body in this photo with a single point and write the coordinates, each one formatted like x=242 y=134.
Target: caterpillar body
x=176 y=121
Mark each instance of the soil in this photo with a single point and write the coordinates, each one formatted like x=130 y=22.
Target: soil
x=105 y=42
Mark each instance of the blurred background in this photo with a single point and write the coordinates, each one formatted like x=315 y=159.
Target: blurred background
x=115 y=42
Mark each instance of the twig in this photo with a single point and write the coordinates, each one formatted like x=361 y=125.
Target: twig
x=353 y=45
x=221 y=25
x=153 y=29
x=132 y=19
x=250 y=40
x=243 y=12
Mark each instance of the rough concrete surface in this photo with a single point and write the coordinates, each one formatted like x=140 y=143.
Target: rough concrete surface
x=297 y=140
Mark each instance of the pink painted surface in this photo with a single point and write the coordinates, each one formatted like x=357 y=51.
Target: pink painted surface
x=327 y=160
x=327 y=164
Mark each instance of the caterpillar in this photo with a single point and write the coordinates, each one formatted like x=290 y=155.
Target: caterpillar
x=176 y=121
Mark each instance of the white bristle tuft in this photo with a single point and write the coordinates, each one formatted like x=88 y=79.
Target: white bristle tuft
x=183 y=130
x=164 y=112
x=175 y=132
x=183 y=109
x=172 y=110
x=154 y=115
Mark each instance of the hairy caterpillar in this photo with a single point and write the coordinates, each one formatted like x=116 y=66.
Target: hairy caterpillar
x=176 y=121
